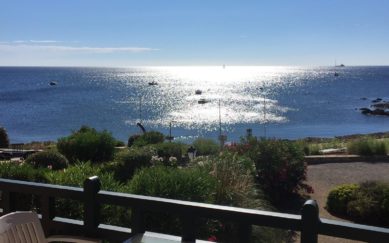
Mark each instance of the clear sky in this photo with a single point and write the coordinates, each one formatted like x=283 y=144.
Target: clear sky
x=193 y=32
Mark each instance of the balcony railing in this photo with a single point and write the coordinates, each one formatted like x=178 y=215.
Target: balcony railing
x=308 y=223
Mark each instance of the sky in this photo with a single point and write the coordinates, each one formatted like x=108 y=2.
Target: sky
x=124 y=33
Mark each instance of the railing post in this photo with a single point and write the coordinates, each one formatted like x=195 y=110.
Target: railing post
x=137 y=221
x=91 y=206
x=244 y=232
x=309 y=222
x=48 y=212
x=188 y=228
x=8 y=202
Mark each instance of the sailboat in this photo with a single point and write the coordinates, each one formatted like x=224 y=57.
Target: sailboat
x=336 y=74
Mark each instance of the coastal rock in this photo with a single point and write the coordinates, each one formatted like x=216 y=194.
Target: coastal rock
x=365 y=111
x=377 y=100
x=384 y=105
x=379 y=112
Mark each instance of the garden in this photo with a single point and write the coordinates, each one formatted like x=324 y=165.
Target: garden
x=257 y=173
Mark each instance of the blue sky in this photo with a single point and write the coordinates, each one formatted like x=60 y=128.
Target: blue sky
x=197 y=32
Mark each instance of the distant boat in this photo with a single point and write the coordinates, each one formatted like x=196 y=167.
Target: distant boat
x=202 y=101
x=198 y=92
x=153 y=83
x=53 y=83
x=336 y=74
x=341 y=65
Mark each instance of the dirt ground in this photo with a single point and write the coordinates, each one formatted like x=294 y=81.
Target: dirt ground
x=323 y=177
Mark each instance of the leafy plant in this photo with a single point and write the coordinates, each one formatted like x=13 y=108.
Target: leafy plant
x=339 y=197
x=152 y=137
x=48 y=159
x=87 y=144
x=367 y=147
x=280 y=166
x=205 y=146
x=127 y=161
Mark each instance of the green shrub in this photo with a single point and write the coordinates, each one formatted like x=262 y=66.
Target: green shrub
x=280 y=166
x=169 y=150
x=132 y=139
x=235 y=177
x=152 y=137
x=75 y=175
x=87 y=144
x=48 y=159
x=167 y=182
x=206 y=146
x=367 y=147
x=339 y=197
x=4 y=141
x=367 y=203
x=127 y=161
x=368 y=206
x=24 y=172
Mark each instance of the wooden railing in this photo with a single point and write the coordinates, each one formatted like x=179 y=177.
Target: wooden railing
x=308 y=223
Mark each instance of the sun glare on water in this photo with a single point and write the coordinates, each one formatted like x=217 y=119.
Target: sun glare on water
x=243 y=93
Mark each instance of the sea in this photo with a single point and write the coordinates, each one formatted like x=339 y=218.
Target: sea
x=47 y=103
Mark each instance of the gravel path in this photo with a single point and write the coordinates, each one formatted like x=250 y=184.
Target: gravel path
x=323 y=177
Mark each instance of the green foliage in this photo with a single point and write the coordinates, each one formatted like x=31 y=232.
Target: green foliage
x=168 y=150
x=367 y=203
x=75 y=175
x=48 y=159
x=368 y=147
x=87 y=144
x=119 y=143
x=206 y=146
x=280 y=167
x=152 y=137
x=24 y=172
x=370 y=204
x=169 y=182
x=127 y=161
x=234 y=175
x=4 y=141
x=185 y=184
x=339 y=197
x=132 y=139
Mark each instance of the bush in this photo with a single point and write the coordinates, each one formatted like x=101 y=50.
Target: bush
x=132 y=139
x=367 y=147
x=127 y=161
x=152 y=137
x=235 y=178
x=280 y=166
x=168 y=182
x=87 y=144
x=367 y=203
x=48 y=159
x=169 y=150
x=206 y=146
x=24 y=172
x=4 y=141
x=339 y=197
x=75 y=175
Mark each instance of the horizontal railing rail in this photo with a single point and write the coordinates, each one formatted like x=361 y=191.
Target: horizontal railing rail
x=308 y=223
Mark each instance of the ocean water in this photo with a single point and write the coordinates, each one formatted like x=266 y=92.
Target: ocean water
x=283 y=102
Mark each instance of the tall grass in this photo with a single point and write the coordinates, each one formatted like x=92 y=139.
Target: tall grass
x=368 y=147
